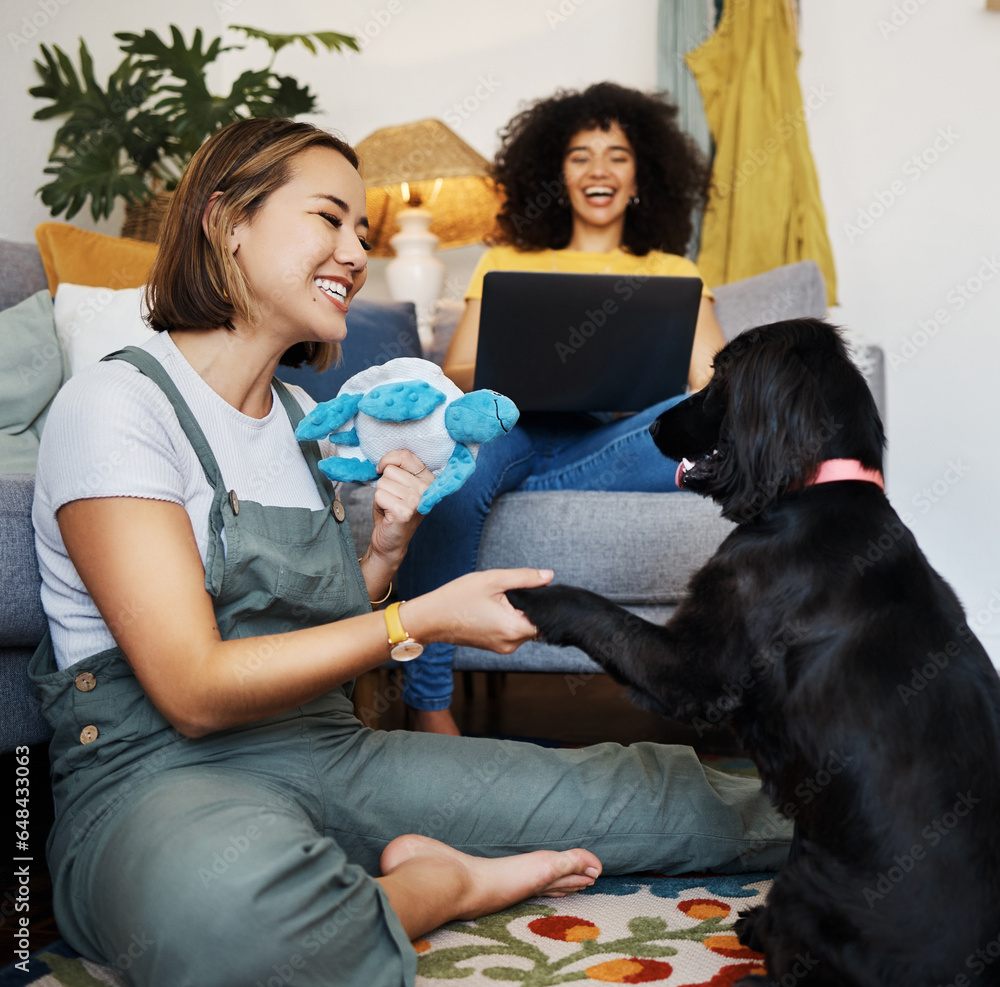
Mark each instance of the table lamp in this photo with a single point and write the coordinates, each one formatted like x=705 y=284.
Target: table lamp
x=426 y=188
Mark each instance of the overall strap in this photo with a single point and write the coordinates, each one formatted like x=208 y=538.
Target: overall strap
x=149 y=366
x=310 y=450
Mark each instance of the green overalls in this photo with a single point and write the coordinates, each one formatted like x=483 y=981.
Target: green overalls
x=247 y=856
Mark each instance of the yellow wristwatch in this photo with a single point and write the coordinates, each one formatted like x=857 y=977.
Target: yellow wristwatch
x=402 y=646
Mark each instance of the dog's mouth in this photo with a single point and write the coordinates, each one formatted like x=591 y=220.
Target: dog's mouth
x=695 y=474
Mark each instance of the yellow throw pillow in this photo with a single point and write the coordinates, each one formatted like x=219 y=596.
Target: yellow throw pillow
x=94 y=259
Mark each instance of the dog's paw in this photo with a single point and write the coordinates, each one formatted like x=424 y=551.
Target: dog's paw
x=545 y=607
x=523 y=599
x=748 y=928
x=560 y=612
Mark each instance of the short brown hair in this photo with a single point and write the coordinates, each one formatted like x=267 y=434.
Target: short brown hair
x=194 y=282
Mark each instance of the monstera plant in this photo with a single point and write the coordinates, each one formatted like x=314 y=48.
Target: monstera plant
x=131 y=138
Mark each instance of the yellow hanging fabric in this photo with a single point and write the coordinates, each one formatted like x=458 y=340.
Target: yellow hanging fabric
x=765 y=208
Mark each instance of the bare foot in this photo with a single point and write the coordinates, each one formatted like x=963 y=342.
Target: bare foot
x=491 y=883
x=433 y=721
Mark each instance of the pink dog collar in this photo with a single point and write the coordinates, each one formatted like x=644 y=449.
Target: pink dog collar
x=831 y=470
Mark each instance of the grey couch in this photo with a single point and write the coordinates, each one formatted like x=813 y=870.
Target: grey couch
x=638 y=549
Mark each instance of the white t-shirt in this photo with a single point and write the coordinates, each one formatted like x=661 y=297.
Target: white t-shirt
x=111 y=432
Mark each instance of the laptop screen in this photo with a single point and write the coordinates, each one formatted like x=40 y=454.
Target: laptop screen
x=586 y=342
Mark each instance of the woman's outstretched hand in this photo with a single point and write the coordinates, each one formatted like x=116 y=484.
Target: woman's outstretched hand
x=473 y=610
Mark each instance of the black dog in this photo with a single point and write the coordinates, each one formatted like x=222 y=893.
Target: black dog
x=842 y=661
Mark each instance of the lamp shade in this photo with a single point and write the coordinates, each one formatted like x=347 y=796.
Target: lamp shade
x=426 y=164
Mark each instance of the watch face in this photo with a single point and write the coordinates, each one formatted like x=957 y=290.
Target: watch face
x=407 y=650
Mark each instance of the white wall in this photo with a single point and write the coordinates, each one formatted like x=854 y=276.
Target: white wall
x=909 y=144
x=906 y=142
x=470 y=63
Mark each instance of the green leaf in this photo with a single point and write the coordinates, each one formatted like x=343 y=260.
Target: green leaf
x=506 y=973
x=650 y=952
x=96 y=175
x=153 y=113
x=290 y=99
x=186 y=63
x=148 y=139
x=330 y=39
x=59 y=83
x=647 y=928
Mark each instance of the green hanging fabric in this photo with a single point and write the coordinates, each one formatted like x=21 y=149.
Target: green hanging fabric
x=683 y=25
x=765 y=208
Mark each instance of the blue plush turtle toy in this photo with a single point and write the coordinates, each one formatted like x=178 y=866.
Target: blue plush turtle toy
x=407 y=403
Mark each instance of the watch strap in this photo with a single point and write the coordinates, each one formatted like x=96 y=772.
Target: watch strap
x=393 y=625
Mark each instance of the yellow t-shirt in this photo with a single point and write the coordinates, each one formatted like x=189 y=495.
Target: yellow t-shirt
x=654 y=263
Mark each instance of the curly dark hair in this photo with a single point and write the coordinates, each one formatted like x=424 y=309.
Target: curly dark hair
x=671 y=172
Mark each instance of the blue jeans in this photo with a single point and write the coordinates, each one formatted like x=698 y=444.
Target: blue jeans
x=569 y=452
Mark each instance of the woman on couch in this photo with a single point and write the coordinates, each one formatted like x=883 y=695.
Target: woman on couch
x=214 y=793
x=599 y=181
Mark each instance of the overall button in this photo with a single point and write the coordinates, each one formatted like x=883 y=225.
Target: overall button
x=338 y=510
x=88 y=734
x=85 y=681
x=234 y=502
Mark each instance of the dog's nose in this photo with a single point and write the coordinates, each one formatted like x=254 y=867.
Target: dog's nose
x=654 y=427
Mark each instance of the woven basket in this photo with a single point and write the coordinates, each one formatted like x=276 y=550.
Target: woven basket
x=142 y=220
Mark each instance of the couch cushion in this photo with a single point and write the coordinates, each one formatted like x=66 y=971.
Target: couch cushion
x=870 y=361
x=21 y=272
x=84 y=257
x=21 y=719
x=794 y=291
x=376 y=333
x=22 y=620
x=634 y=548
x=31 y=371
x=92 y=322
x=638 y=549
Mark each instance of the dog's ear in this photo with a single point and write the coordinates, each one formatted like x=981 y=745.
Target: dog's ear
x=775 y=429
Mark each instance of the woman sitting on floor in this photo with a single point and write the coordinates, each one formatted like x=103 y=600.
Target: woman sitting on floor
x=208 y=613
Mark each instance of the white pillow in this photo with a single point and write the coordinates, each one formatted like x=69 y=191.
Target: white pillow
x=93 y=322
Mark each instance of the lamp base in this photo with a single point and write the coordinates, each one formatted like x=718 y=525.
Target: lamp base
x=415 y=274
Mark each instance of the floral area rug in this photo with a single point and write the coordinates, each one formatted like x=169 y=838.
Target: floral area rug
x=623 y=930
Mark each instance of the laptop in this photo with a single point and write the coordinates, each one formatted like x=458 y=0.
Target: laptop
x=586 y=342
